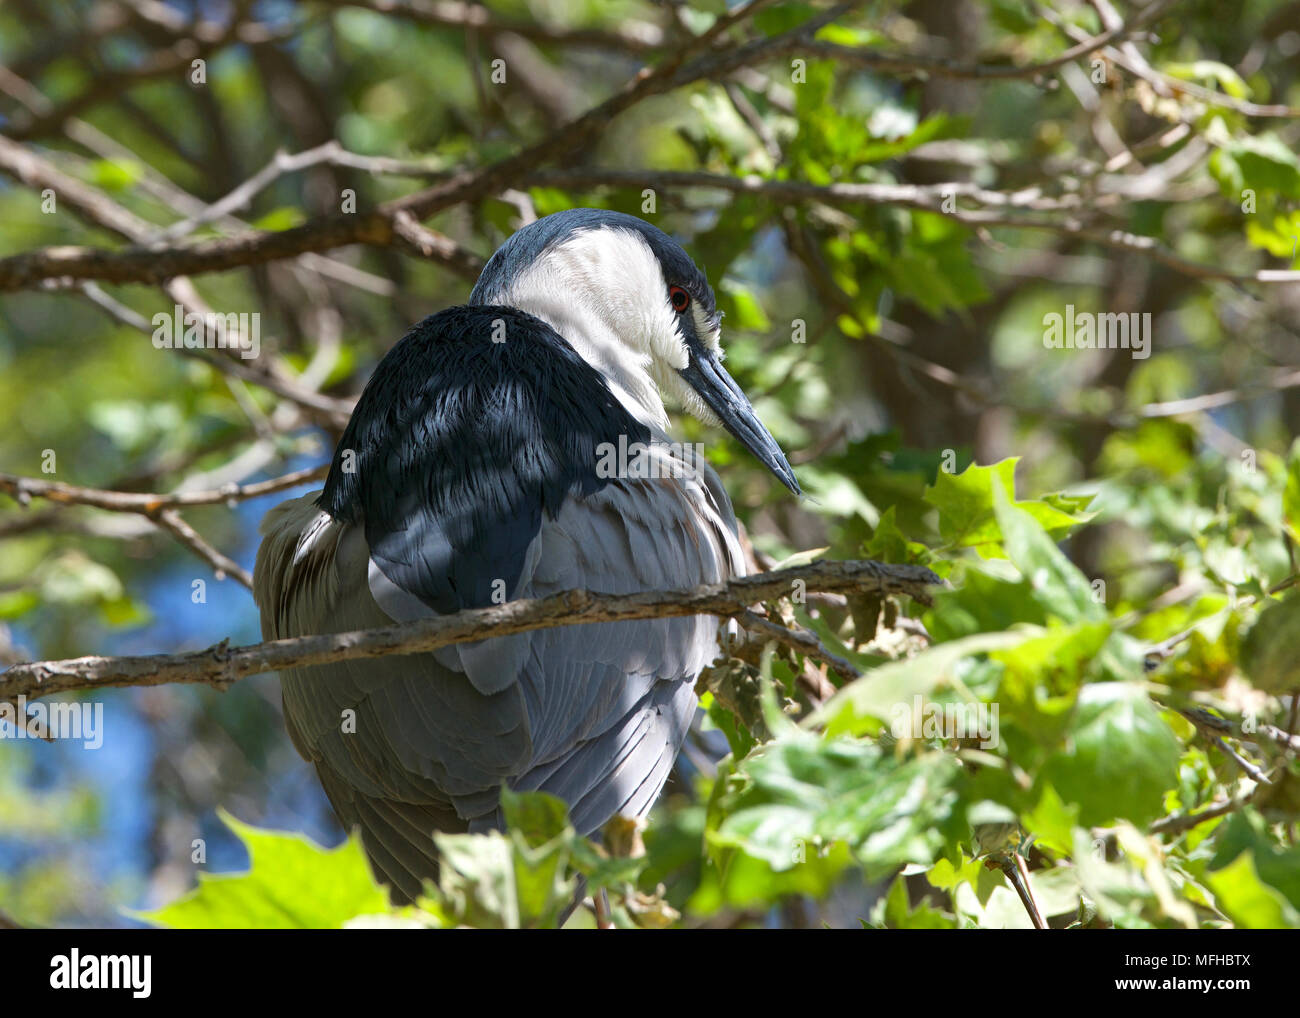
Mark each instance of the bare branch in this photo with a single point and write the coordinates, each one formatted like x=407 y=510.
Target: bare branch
x=223 y=566
x=1176 y=823
x=1128 y=57
x=91 y=205
x=222 y=665
x=1000 y=209
x=23 y=489
x=162 y=509
x=100 y=210
x=803 y=641
x=327 y=409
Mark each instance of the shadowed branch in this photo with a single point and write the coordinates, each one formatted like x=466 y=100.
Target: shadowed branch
x=221 y=665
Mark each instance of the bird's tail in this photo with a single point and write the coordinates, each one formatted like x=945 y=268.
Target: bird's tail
x=397 y=836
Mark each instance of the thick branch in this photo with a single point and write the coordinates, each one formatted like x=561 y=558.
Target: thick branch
x=221 y=665
x=1012 y=210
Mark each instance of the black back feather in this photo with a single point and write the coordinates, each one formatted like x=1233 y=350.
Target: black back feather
x=462 y=443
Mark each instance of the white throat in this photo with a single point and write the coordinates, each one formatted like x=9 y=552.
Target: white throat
x=598 y=290
x=626 y=371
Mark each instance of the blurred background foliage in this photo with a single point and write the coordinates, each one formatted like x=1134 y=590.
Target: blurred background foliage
x=1119 y=532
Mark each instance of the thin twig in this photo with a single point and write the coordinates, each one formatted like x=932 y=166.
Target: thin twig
x=26 y=488
x=1177 y=823
x=162 y=509
x=803 y=641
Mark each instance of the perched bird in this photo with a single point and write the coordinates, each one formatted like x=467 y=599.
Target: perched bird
x=515 y=447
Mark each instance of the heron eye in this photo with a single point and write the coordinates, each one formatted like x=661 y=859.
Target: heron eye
x=680 y=299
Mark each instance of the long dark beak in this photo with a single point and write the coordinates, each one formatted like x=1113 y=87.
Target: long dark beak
x=719 y=390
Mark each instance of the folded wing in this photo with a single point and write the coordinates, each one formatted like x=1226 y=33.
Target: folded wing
x=475 y=480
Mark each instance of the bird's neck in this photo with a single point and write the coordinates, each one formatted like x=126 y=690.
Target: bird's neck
x=626 y=371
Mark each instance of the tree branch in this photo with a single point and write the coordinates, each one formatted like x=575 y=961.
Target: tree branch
x=143 y=263
x=1177 y=823
x=202 y=40
x=162 y=509
x=222 y=565
x=998 y=209
x=221 y=665
x=23 y=489
x=397 y=222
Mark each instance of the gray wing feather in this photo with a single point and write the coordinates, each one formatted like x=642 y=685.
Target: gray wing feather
x=593 y=713
x=403 y=745
x=622 y=770
x=609 y=703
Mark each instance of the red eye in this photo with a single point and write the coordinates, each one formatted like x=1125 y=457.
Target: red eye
x=680 y=299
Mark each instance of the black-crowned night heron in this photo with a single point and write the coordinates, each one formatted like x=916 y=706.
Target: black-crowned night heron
x=510 y=448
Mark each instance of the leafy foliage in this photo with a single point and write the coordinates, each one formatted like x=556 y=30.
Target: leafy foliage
x=1118 y=532
x=291 y=884
x=1084 y=757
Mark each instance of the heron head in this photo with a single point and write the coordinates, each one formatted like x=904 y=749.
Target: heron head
x=632 y=302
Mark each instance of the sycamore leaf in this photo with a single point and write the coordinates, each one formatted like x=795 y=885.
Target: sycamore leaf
x=291 y=883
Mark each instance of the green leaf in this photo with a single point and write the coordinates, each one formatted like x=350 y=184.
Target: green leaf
x=1211 y=70
x=17 y=604
x=1263 y=162
x=982 y=602
x=74 y=579
x=965 y=503
x=116 y=174
x=742 y=307
x=782 y=17
x=799 y=795
x=1056 y=584
x=277 y=220
x=1270 y=652
x=514 y=880
x=1052 y=822
x=1119 y=757
x=948 y=876
x=738 y=736
x=898 y=914
x=292 y=883
x=1041 y=678
x=1250 y=903
x=1278 y=236
x=539 y=817
x=476 y=880
x=888 y=544
x=931 y=129
x=1276 y=864
x=865 y=704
